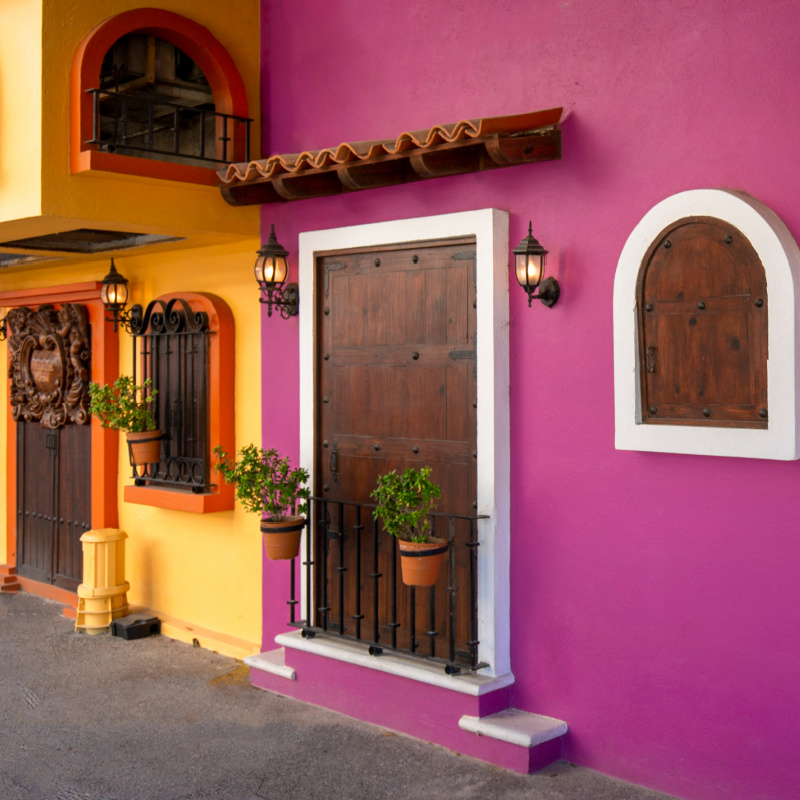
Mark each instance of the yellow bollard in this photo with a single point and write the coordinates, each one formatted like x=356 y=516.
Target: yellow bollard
x=102 y=597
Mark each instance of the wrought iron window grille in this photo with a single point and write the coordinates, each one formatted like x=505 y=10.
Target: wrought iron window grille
x=171 y=345
x=380 y=634
x=143 y=124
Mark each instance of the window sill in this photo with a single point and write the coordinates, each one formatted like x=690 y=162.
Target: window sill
x=175 y=500
x=96 y=161
x=471 y=683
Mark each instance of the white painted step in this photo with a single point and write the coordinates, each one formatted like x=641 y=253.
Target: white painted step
x=274 y=662
x=515 y=726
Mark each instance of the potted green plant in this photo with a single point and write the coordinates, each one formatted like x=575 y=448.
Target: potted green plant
x=404 y=503
x=124 y=406
x=266 y=484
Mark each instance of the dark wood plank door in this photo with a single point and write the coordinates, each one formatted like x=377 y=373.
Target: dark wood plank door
x=53 y=501
x=702 y=299
x=396 y=387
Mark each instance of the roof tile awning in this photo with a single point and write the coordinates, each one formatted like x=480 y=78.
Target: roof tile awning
x=472 y=145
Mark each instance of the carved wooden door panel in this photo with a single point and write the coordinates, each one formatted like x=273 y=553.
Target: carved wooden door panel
x=396 y=388
x=49 y=371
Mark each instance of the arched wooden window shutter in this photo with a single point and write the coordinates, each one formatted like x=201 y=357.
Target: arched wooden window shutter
x=702 y=313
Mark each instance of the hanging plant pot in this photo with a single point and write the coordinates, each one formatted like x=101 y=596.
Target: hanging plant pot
x=420 y=561
x=282 y=537
x=144 y=447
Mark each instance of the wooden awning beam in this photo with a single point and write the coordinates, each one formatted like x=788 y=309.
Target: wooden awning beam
x=434 y=161
x=455 y=158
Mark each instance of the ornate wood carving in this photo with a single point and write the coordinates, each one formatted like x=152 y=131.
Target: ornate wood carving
x=50 y=355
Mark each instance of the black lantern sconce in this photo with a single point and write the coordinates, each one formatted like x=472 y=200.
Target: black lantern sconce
x=3 y=328
x=271 y=270
x=529 y=261
x=114 y=295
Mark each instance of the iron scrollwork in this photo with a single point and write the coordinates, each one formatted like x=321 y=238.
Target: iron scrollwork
x=50 y=353
x=163 y=318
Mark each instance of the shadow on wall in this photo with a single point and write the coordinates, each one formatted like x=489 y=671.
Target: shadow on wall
x=140 y=573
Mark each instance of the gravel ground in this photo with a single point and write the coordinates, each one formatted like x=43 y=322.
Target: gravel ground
x=98 y=718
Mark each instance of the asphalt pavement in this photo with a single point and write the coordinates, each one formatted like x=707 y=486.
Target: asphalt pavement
x=100 y=718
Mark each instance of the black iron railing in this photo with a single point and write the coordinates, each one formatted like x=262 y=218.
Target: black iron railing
x=125 y=122
x=171 y=343
x=340 y=603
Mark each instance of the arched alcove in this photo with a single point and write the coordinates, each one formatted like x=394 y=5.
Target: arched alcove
x=198 y=45
x=762 y=237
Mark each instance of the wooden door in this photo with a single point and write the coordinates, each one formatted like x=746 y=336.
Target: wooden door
x=49 y=368
x=396 y=387
x=53 y=502
x=702 y=298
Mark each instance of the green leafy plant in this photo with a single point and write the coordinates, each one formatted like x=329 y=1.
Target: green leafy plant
x=265 y=482
x=123 y=405
x=404 y=502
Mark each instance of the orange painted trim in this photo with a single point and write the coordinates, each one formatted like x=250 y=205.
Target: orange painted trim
x=221 y=427
x=95 y=160
x=105 y=444
x=68 y=293
x=178 y=501
x=227 y=86
x=49 y=592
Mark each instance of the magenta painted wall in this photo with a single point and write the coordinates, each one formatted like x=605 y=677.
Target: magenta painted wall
x=655 y=599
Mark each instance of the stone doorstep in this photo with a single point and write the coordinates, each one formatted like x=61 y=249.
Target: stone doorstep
x=8 y=579
x=273 y=662
x=515 y=727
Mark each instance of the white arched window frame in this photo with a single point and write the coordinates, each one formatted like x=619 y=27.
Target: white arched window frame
x=780 y=257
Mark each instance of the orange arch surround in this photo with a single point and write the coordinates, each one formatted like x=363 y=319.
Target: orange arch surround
x=197 y=42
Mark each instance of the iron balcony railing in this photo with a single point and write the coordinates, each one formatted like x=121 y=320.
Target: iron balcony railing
x=164 y=128
x=339 y=602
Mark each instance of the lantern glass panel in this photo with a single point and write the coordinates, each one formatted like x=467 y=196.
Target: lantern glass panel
x=529 y=269
x=114 y=294
x=271 y=269
x=259 y=270
x=279 y=269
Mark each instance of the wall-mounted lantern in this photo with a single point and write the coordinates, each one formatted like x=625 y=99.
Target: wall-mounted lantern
x=271 y=270
x=529 y=262
x=114 y=296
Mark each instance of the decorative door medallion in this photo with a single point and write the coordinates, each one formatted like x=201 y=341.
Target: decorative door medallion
x=50 y=355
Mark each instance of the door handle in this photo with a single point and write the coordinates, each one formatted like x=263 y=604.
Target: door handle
x=334 y=462
x=651 y=359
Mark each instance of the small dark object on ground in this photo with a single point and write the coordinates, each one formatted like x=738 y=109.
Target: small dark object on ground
x=135 y=627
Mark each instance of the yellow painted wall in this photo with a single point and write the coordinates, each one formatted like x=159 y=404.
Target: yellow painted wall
x=151 y=206
x=201 y=573
x=20 y=108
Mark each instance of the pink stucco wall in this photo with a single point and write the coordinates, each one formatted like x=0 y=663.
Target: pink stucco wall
x=655 y=599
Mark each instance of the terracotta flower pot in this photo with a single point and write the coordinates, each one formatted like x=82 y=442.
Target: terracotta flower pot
x=420 y=561
x=145 y=447
x=282 y=537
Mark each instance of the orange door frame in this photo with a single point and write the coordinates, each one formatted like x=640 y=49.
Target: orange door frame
x=105 y=443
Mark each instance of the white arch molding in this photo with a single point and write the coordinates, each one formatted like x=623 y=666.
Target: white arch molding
x=780 y=256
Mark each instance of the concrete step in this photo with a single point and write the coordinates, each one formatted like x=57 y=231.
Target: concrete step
x=541 y=736
x=8 y=579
